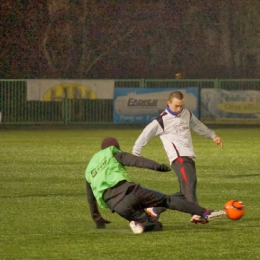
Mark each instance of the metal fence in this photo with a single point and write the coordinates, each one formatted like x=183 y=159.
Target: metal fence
x=15 y=109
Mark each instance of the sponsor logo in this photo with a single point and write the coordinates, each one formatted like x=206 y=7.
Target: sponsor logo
x=142 y=102
x=101 y=166
x=240 y=107
x=70 y=91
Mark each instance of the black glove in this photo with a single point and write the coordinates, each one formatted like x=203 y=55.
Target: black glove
x=101 y=224
x=163 y=168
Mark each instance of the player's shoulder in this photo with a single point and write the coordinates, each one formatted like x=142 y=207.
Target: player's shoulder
x=186 y=113
x=186 y=110
x=159 y=121
x=162 y=115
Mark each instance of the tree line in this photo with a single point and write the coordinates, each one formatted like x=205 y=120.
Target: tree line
x=129 y=39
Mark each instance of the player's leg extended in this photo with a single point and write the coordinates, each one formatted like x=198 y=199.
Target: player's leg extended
x=144 y=198
x=174 y=202
x=179 y=202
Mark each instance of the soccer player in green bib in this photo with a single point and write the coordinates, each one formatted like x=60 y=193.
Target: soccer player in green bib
x=108 y=186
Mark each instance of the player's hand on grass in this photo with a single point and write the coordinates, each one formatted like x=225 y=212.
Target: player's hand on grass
x=163 y=168
x=218 y=141
x=101 y=224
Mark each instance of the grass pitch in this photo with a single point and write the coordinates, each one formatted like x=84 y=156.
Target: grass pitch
x=44 y=212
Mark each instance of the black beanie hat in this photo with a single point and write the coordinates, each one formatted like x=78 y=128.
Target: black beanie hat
x=109 y=141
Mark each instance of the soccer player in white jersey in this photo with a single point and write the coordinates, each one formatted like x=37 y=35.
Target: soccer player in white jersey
x=173 y=127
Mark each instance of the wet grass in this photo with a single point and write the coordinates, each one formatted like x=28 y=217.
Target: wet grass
x=44 y=212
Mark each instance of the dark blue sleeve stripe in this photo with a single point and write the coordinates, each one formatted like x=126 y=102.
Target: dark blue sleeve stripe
x=190 y=114
x=160 y=120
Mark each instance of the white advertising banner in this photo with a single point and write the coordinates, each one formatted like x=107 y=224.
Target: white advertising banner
x=142 y=105
x=230 y=106
x=58 y=89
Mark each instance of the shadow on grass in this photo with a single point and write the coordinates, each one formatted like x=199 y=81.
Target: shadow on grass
x=43 y=195
x=197 y=229
x=241 y=176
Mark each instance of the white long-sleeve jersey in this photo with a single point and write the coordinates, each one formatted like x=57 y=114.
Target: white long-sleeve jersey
x=174 y=132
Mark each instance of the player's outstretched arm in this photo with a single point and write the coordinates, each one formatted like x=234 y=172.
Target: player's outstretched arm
x=128 y=159
x=149 y=132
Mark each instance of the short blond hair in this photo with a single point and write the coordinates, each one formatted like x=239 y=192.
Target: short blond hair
x=175 y=94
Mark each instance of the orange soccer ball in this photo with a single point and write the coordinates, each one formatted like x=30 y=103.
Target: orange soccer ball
x=235 y=209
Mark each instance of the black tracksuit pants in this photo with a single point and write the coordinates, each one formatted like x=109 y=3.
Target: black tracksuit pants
x=131 y=206
x=185 y=169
